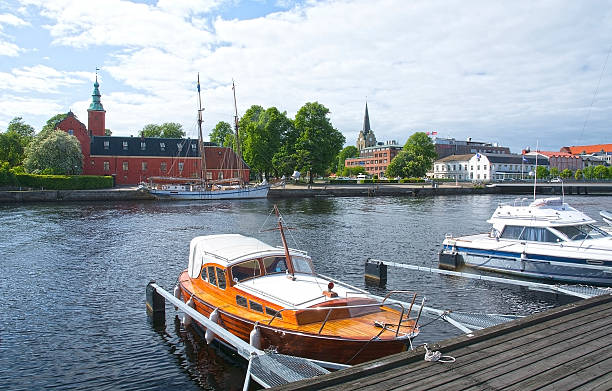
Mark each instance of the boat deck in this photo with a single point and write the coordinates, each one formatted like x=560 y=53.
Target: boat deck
x=560 y=349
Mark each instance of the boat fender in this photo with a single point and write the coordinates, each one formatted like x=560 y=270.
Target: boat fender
x=187 y=320
x=214 y=317
x=177 y=294
x=255 y=337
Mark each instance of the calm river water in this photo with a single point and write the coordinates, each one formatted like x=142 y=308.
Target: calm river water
x=73 y=279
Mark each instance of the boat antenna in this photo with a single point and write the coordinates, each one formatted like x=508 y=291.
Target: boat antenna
x=238 y=152
x=200 y=141
x=535 y=174
x=282 y=232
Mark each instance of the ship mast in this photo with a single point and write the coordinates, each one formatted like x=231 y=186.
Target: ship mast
x=200 y=140
x=238 y=152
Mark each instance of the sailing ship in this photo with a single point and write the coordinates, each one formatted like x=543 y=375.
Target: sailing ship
x=203 y=187
x=272 y=297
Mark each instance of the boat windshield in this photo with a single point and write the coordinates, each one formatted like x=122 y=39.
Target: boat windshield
x=302 y=265
x=582 y=232
x=532 y=234
x=245 y=270
x=279 y=265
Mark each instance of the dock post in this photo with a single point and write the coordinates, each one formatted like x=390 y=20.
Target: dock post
x=156 y=305
x=375 y=273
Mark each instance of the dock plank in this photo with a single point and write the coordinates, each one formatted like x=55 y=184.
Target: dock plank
x=562 y=348
x=479 y=355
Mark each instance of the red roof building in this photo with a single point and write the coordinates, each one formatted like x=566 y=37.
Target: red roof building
x=132 y=160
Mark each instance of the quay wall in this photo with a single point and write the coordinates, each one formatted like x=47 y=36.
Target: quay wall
x=73 y=195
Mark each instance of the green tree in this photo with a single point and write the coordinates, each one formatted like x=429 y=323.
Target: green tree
x=318 y=142
x=58 y=153
x=51 y=125
x=421 y=152
x=554 y=172
x=600 y=172
x=347 y=152
x=165 y=130
x=610 y=172
x=108 y=132
x=353 y=171
x=222 y=135
x=398 y=166
x=542 y=172
x=21 y=128
x=578 y=174
x=566 y=174
x=588 y=173
x=11 y=148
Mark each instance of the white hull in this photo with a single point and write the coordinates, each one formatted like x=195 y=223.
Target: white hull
x=228 y=194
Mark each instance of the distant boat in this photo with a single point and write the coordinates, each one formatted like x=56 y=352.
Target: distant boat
x=202 y=188
x=546 y=239
x=272 y=297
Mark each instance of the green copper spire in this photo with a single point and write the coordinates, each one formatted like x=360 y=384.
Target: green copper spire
x=96 y=105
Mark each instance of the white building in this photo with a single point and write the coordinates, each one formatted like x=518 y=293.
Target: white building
x=486 y=167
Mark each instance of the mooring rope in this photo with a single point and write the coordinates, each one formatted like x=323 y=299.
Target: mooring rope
x=436 y=356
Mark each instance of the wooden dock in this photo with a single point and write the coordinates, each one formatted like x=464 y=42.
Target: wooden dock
x=565 y=348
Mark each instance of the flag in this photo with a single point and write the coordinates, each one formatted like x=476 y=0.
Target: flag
x=427 y=133
x=524 y=159
x=198 y=86
x=434 y=133
x=478 y=156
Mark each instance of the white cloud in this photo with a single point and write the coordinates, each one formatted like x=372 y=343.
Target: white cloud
x=12 y=20
x=8 y=48
x=501 y=72
x=40 y=78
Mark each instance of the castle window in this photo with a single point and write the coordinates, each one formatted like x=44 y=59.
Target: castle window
x=163 y=166
x=162 y=146
x=181 y=165
x=125 y=166
x=144 y=166
x=93 y=163
x=106 y=144
x=193 y=146
x=180 y=147
x=125 y=145
x=143 y=145
x=71 y=132
x=106 y=166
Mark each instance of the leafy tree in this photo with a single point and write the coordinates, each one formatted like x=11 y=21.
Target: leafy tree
x=566 y=174
x=165 y=130
x=21 y=128
x=222 y=135
x=578 y=174
x=588 y=173
x=108 y=132
x=11 y=148
x=353 y=171
x=421 y=152
x=554 y=172
x=318 y=142
x=600 y=172
x=347 y=152
x=542 y=172
x=51 y=125
x=610 y=172
x=398 y=166
x=58 y=153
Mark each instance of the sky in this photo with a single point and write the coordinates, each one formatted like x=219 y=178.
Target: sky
x=517 y=73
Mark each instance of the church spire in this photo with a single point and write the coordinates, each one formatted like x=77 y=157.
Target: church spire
x=366 y=121
x=96 y=105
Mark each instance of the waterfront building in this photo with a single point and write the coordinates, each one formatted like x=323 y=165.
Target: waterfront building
x=450 y=146
x=131 y=160
x=376 y=159
x=592 y=155
x=480 y=167
x=560 y=160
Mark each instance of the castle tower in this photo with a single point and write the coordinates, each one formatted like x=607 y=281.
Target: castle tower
x=96 y=115
x=366 y=136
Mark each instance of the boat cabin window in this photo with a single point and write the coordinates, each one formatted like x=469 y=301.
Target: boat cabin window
x=241 y=301
x=301 y=265
x=275 y=265
x=211 y=275
x=272 y=312
x=245 y=270
x=531 y=234
x=256 y=306
x=204 y=275
x=221 y=278
x=582 y=232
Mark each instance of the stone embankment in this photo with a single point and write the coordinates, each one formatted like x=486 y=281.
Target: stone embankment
x=116 y=194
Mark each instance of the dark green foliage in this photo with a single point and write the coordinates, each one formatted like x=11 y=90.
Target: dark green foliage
x=223 y=135
x=165 y=130
x=62 y=182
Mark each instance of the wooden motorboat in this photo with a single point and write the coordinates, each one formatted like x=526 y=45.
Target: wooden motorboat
x=272 y=297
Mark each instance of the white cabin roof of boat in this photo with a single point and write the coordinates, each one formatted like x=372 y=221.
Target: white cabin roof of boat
x=543 y=212
x=229 y=249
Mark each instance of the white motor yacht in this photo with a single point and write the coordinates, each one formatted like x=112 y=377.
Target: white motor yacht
x=546 y=239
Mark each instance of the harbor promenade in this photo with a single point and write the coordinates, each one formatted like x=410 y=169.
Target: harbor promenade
x=565 y=348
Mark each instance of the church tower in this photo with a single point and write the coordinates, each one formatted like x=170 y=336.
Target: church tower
x=366 y=136
x=96 y=115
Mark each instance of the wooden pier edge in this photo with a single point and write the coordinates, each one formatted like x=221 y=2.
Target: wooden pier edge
x=401 y=359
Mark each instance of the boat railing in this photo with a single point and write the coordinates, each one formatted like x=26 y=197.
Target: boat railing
x=377 y=304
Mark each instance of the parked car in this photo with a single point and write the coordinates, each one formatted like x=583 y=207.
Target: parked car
x=556 y=180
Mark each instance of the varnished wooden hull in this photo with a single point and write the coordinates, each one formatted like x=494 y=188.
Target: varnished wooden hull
x=309 y=345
